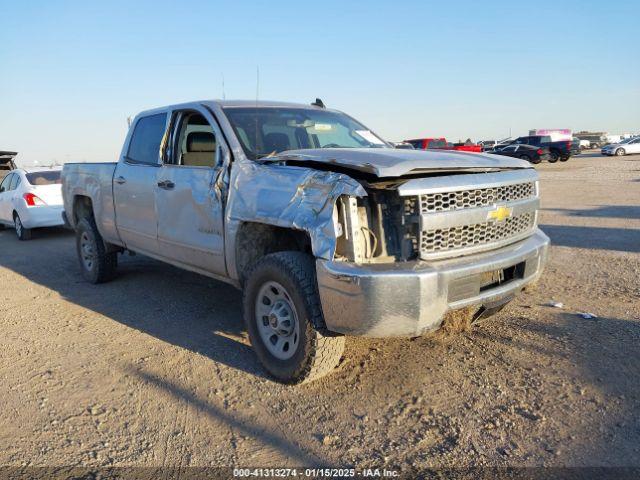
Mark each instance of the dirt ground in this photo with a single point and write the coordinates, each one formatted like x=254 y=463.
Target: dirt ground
x=154 y=368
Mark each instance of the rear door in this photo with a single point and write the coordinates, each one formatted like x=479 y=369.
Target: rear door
x=135 y=184
x=5 y=199
x=189 y=198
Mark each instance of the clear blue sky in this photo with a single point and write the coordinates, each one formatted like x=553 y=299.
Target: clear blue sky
x=72 y=71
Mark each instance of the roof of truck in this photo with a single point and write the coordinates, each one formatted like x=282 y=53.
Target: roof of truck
x=233 y=104
x=261 y=103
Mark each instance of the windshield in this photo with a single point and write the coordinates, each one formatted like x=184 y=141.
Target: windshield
x=44 y=178
x=265 y=131
x=627 y=140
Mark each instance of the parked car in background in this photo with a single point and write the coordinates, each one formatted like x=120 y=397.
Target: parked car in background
x=6 y=163
x=429 y=143
x=525 y=152
x=31 y=199
x=328 y=229
x=625 y=147
x=575 y=146
x=441 y=143
x=584 y=144
x=403 y=145
x=594 y=139
x=487 y=144
x=467 y=147
x=561 y=150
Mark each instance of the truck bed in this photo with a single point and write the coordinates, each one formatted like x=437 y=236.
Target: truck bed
x=94 y=181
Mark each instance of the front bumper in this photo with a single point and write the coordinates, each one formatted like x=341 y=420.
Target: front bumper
x=409 y=299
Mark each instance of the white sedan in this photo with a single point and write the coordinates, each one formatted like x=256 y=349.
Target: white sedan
x=31 y=199
x=625 y=147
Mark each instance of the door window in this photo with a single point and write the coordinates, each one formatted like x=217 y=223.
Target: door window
x=146 y=139
x=4 y=186
x=15 y=181
x=195 y=142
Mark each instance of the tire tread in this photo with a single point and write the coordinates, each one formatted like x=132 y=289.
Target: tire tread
x=326 y=350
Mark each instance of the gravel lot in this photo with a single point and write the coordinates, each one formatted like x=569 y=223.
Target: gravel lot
x=155 y=369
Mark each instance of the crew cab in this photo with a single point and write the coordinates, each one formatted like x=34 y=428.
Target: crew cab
x=560 y=150
x=327 y=229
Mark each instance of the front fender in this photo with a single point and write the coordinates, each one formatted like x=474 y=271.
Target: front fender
x=291 y=197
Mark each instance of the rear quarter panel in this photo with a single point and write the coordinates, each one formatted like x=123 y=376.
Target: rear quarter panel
x=93 y=180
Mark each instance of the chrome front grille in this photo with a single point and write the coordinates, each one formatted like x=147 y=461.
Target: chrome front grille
x=468 y=213
x=479 y=197
x=465 y=236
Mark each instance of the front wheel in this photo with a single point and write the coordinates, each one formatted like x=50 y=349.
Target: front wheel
x=97 y=264
x=564 y=159
x=282 y=314
x=620 y=152
x=22 y=232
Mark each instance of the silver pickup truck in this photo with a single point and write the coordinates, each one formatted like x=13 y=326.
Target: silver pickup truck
x=327 y=229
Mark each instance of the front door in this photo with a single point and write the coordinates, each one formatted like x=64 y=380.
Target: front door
x=135 y=185
x=189 y=193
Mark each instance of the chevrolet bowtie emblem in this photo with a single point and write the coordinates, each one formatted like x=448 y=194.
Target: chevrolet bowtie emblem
x=500 y=214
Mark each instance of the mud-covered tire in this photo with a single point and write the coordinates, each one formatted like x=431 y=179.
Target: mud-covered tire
x=315 y=354
x=97 y=264
x=21 y=232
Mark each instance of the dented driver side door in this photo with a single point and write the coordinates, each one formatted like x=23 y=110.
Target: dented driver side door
x=189 y=198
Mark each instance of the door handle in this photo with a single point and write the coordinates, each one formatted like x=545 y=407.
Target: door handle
x=166 y=184
x=120 y=180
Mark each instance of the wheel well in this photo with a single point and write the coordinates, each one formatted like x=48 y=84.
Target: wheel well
x=82 y=208
x=255 y=240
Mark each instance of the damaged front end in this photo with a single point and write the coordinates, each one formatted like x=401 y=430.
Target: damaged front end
x=290 y=197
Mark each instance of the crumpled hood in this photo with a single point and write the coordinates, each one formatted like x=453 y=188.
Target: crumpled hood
x=389 y=162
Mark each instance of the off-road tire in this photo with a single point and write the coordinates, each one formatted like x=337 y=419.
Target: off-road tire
x=21 y=232
x=317 y=353
x=104 y=265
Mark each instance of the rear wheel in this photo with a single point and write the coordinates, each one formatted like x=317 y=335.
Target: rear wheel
x=22 y=232
x=554 y=157
x=564 y=159
x=620 y=152
x=97 y=264
x=527 y=158
x=282 y=314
